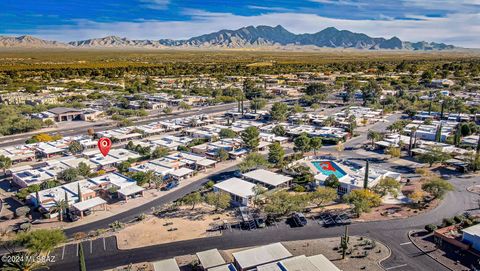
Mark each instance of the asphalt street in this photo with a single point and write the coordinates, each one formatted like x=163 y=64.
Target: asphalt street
x=21 y=138
x=103 y=253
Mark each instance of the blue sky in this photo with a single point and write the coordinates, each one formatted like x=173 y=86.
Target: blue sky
x=451 y=21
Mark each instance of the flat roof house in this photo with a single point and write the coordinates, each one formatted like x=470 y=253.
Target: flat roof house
x=166 y=265
x=210 y=258
x=267 y=178
x=251 y=258
x=471 y=236
x=301 y=263
x=66 y=114
x=240 y=190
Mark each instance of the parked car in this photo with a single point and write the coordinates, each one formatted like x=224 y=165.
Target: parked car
x=72 y=217
x=260 y=223
x=87 y=212
x=170 y=186
x=299 y=219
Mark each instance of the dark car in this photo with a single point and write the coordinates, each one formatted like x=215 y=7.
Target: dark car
x=299 y=219
x=87 y=212
x=72 y=217
x=260 y=223
x=170 y=186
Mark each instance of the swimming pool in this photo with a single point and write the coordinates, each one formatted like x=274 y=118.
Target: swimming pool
x=328 y=168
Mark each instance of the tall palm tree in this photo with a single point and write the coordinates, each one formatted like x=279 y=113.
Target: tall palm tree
x=373 y=136
x=60 y=206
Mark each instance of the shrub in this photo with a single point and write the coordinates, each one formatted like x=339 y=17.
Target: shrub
x=299 y=188
x=448 y=222
x=459 y=218
x=430 y=227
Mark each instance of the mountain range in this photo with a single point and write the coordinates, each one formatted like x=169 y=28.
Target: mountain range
x=245 y=37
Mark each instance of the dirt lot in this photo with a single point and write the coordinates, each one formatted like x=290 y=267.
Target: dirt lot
x=189 y=224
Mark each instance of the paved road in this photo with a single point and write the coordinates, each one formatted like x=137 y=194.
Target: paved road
x=393 y=233
x=21 y=138
x=103 y=253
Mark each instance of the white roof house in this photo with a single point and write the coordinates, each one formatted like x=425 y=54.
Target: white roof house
x=181 y=173
x=236 y=187
x=226 y=267
x=301 y=263
x=210 y=258
x=89 y=203
x=166 y=265
x=251 y=258
x=158 y=169
x=267 y=178
x=322 y=263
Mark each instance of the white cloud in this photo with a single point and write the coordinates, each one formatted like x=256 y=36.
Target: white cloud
x=155 y=4
x=458 y=29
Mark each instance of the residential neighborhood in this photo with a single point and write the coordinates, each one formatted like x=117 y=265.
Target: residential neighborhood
x=239 y=150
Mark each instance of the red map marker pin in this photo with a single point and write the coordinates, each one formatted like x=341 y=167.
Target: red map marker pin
x=104 y=145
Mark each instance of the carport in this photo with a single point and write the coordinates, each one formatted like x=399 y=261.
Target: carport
x=90 y=204
x=129 y=191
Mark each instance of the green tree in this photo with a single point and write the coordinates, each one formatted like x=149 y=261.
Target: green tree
x=124 y=166
x=219 y=200
x=323 y=195
x=438 y=133
x=60 y=206
x=279 y=130
x=279 y=111
x=49 y=122
x=437 y=187
x=184 y=106
x=159 y=152
x=40 y=241
x=251 y=137
x=258 y=104
x=222 y=154
x=227 y=133
x=393 y=151
x=192 y=199
x=283 y=203
x=5 y=163
x=302 y=143
x=332 y=181
x=83 y=169
x=315 y=144
x=75 y=147
x=374 y=136
x=276 y=153
x=81 y=258
x=316 y=88
x=253 y=161
x=68 y=175
x=388 y=185
x=433 y=156
x=362 y=200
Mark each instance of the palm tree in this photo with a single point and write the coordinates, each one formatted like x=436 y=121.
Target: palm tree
x=60 y=206
x=373 y=136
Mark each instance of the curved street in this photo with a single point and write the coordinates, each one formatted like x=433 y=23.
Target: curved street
x=103 y=253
